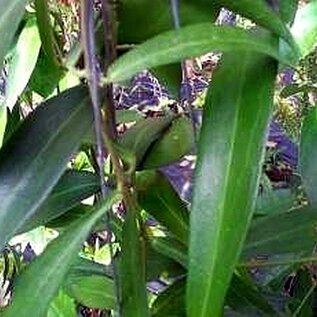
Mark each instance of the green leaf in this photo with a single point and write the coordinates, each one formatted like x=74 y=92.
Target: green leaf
x=45 y=77
x=11 y=13
x=73 y=187
x=170 y=76
x=139 y=138
x=158 y=197
x=304 y=28
x=308 y=152
x=40 y=281
x=62 y=306
x=288 y=10
x=287 y=233
x=158 y=265
x=84 y=267
x=50 y=45
x=132 y=269
x=171 y=302
x=274 y=201
x=191 y=41
x=22 y=63
x=171 y=248
x=93 y=291
x=230 y=157
x=156 y=17
x=243 y=295
x=261 y=13
x=177 y=141
x=35 y=156
x=128 y=115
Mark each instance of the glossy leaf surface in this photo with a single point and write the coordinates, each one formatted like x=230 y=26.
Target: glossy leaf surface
x=308 y=150
x=192 y=41
x=35 y=156
x=22 y=62
x=72 y=188
x=132 y=269
x=231 y=148
x=11 y=13
x=34 y=291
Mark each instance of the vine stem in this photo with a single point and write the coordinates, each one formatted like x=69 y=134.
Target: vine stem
x=92 y=68
x=185 y=74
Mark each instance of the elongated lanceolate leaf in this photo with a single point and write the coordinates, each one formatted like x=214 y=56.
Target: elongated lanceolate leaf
x=190 y=41
x=46 y=31
x=72 y=188
x=304 y=29
x=40 y=281
x=307 y=156
x=132 y=269
x=158 y=197
x=287 y=233
x=35 y=156
x=11 y=13
x=235 y=120
x=22 y=63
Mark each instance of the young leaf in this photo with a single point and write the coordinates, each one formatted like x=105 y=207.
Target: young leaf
x=11 y=13
x=62 y=306
x=308 y=150
x=72 y=188
x=40 y=281
x=190 y=41
x=227 y=175
x=35 y=156
x=158 y=197
x=304 y=29
x=22 y=63
x=132 y=269
x=177 y=141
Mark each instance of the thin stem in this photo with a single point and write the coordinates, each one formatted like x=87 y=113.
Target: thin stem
x=91 y=65
x=110 y=43
x=187 y=100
